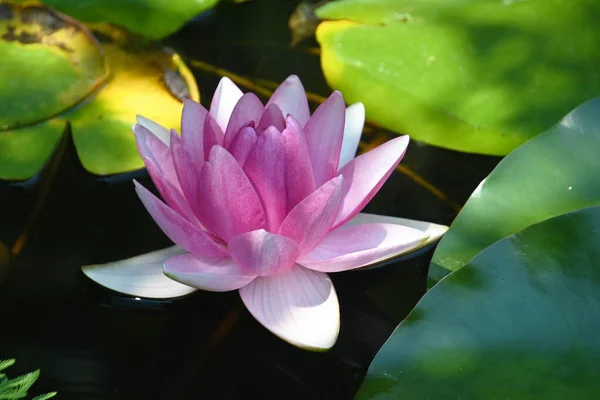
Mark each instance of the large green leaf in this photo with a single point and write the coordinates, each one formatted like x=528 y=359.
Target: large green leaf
x=518 y=322
x=552 y=174
x=151 y=18
x=139 y=78
x=477 y=76
x=35 y=44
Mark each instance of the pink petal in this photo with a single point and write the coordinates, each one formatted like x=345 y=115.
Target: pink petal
x=272 y=116
x=228 y=204
x=262 y=253
x=265 y=166
x=178 y=229
x=299 y=305
x=213 y=135
x=299 y=178
x=355 y=246
x=185 y=168
x=355 y=121
x=159 y=131
x=291 y=99
x=365 y=175
x=140 y=276
x=324 y=135
x=192 y=130
x=159 y=162
x=224 y=100
x=248 y=109
x=170 y=192
x=206 y=274
x=155 y=149
x=242 y=144
x=312 y=218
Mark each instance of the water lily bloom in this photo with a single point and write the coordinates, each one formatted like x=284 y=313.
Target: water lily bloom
x=265 y=199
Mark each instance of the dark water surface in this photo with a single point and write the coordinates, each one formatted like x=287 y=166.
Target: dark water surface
x=95 y=344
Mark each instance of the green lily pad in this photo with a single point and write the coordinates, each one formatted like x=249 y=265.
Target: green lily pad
x=143 y=78
x=476 y=76
x=154 y=19
x=37 y=43
x=517 y=322
x=554 y=173
x=151 y=18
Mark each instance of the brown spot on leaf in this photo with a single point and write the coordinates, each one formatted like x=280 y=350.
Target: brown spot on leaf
x=176 y=84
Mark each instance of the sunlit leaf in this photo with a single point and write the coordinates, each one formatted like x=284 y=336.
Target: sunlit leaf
x=517 y=322
x=554 y=173
x=35 y=44
x=475 y=76
x=151 y=18
x=139 y=78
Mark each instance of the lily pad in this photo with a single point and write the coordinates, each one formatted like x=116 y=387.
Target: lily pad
x=151 y=18
x=517 y=322
x=554 y=173
x=37 y=43
x=475 y=76
x=142 y=78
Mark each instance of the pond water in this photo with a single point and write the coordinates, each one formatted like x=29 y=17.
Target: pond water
x=91 y=343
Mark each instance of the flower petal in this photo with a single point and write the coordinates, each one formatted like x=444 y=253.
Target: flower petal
x=355 y=246
x=433 y=231
x=365 y=175
x=205 y=273
x=291 y=99
x=355 y=122
x=155 y=149
x=272 y=116
x=248 y=109
x=299 y=305
x=158 y=159
x=192 y=130
x=228 y=204
x=324 y=135
x=186 y=170
x=224 y=100
x=312 y=218
x=157 y=130
x=213 y=135
x=242 y=144
x=140 y=276
x=178 y=229
x=299 y=178
x=265 y=166
x=262 y=253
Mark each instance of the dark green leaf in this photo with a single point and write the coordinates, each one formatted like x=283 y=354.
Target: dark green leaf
x=554 y=173
x=518 y=322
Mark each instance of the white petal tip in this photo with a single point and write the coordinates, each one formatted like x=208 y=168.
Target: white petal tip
x=299 y=306
x=139 y=276
x=433 y=231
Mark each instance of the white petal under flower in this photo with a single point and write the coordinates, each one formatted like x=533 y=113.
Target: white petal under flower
x=224 y=100
x=158 y=130
x=140 y=276
x=355 y=122
x=434 y=231
x=299 y=305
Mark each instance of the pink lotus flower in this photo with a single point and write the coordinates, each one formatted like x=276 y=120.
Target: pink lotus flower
x=260 y=199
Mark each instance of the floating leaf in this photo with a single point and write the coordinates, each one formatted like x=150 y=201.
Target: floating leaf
x=151 y=18
x=554 y=173
x=139 y=78
x=517 y=322
x=37 y=43
x=475 y=76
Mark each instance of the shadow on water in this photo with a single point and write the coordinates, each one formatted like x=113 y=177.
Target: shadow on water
x=91 y=343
